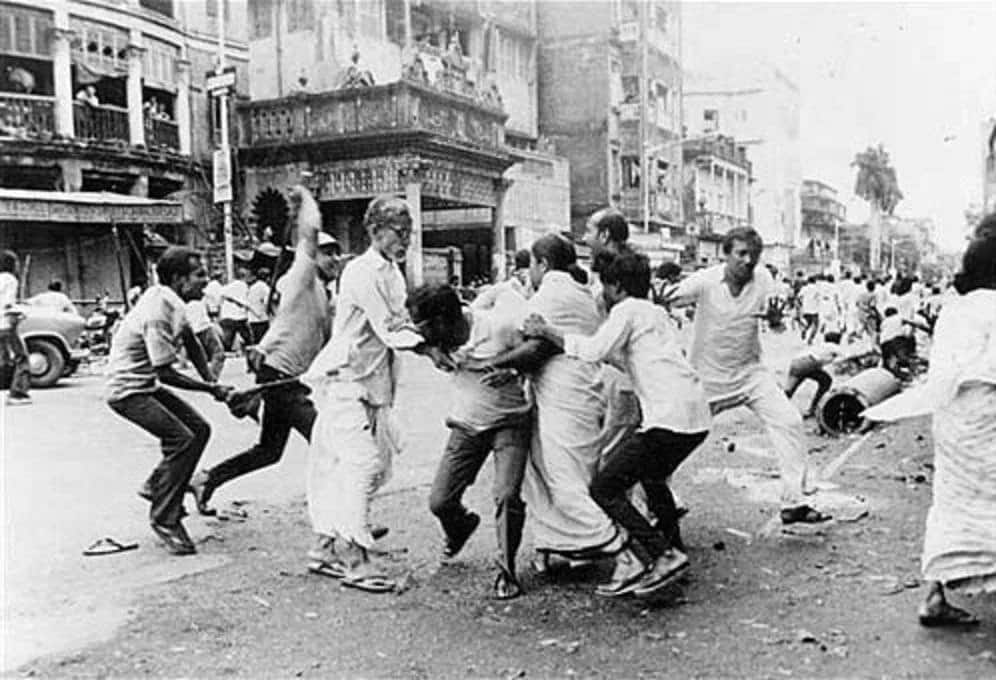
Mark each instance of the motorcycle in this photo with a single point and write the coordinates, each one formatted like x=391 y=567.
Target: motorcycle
x=98 y=329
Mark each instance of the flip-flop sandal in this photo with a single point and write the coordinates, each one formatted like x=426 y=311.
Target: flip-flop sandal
x=506 y=586
x=108 y=546
x=803 y=514
x=330 y=569
x=948 y=616
x=371 y=583
x=619 y=588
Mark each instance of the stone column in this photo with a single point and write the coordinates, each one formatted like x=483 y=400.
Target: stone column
x=183 y=104
x=498 y=256
x=136 y=117
x=413 y=194
x=62 y=36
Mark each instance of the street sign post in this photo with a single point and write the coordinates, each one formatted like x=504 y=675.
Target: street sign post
x=222 y=176
x=220 y=83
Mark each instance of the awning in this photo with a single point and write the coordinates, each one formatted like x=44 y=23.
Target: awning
x=82 y=207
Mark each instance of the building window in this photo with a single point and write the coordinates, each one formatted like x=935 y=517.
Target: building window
x=630 y=172
x=710 y=118
x=261 y=18
x=159 y=63
x=300 y=15
x=25 y=61
x=370 y=18
x=211 y=8
x=164 y=7
x=101 y=48
x=394 y=11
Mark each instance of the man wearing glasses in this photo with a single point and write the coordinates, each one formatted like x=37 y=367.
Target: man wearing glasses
x=356 y=435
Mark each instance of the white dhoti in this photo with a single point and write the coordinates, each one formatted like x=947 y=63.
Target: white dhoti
x=352 y=449
x=783 y=424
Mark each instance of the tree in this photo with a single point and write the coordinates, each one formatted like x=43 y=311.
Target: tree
x=876 y=183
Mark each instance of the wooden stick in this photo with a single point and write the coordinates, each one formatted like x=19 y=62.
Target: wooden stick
x=833 y=466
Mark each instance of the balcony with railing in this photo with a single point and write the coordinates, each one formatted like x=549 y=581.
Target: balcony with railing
x=101 y=122
x=376 y=112
x=161 y=133
x=27 y=116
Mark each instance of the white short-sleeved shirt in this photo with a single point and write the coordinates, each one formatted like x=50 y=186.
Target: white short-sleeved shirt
x=197 y=316
x=236 y=290
x=8 y=296
x=146 y=341
x=726 y=335
x=809 y=298
x=644 y=337
x=258 y=296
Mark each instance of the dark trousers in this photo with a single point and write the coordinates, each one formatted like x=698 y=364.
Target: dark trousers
x=258 y=329
x=801 y=370
x=647 y=458
x=183 y=434
x=14 y=358
x=812 y=326
x=232 y=327
x=284 y=409
x=462 y=459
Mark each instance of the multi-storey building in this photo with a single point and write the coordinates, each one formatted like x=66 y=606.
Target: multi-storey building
x=757 y=105
x=822 y=217
x=717 y=179
x=435 y=100
x=106 y=96
x=610 y=84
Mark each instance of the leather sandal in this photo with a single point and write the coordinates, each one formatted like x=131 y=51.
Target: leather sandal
x=202 y=491
x=803 y=514
x=946 y=615
x=506 y=586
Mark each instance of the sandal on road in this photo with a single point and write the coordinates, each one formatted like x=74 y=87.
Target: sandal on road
x=946 y=615
x=108 y=546
x=803 y=514
x=329 y=569
x=506 y=586
x=371 y=583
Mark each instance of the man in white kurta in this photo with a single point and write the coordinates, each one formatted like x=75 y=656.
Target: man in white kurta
x=356 y=435
x=730 y=300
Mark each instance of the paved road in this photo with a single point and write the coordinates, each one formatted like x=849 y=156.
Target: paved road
x=70 y=470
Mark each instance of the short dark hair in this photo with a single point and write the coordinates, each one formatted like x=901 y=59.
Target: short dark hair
x=578 y=273
x=175 y=262
x=55 y=286
x=668 y=271
x=556 y=250
x=978 y=264
x=832 y=337
x=748 y=235
x=612 y=222
x=631 y=272
x=522 y=258
x=438 y=313
x=8 y=261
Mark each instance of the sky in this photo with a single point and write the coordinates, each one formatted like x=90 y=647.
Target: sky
x=918 y=77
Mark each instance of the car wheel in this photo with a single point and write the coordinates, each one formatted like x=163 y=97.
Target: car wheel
x=46 y=361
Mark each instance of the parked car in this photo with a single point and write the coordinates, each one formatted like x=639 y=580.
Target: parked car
x=52 y=338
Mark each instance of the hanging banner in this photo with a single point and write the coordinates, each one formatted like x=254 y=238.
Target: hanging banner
x=222 y=176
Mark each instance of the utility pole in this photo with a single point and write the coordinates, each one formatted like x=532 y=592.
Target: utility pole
x=644 y=101
x=224 y=153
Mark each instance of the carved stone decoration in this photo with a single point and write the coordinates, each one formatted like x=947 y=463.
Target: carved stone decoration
x=354 y=75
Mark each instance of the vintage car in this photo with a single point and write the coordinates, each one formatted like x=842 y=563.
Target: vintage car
x=52 y=338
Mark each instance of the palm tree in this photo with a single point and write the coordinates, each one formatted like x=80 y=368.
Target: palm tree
x=876 y=183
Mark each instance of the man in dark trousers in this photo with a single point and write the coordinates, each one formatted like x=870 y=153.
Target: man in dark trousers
x=143 y=353
x=300 y=329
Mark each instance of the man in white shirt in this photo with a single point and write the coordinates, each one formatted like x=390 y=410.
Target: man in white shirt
x=809 y=305
x=54 y=298
x=142 y=359
x=10 y=341
x=640 y=337
x=726 y=351
x=258 y=298
x=234 y=313
x=356 y=435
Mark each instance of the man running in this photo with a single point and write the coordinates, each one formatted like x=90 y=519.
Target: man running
x=299 y=330
x=730 y=299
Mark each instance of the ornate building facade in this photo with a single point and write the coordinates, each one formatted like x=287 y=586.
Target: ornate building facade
x=432 y=100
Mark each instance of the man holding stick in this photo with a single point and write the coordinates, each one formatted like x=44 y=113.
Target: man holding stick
x=299 y=330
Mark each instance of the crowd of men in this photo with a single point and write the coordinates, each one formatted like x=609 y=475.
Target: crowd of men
x=579 y=385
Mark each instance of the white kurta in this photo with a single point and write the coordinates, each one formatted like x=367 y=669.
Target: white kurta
x=567 y=433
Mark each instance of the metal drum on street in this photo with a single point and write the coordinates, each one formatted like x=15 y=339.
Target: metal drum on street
x=840 y=410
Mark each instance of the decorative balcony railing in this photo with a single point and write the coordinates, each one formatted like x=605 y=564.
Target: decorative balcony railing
x=160 y=132
x=25 y=115
x=103 y=122
x=370 y=111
